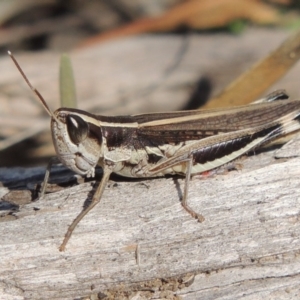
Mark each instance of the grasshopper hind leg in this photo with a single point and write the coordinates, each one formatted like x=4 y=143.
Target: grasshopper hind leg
x=184 y=203
x=186 y=159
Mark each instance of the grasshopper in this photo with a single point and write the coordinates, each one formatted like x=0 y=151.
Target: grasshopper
x=156 y=144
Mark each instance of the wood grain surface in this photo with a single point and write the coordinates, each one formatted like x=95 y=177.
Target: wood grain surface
x=248 y=245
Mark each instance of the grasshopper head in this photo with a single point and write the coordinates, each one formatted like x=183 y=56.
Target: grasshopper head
x=76 y=135
x=77 y=140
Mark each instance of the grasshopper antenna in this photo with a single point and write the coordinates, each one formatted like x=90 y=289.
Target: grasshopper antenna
x=35 y=91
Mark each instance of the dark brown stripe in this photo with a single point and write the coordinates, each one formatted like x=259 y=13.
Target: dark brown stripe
x=95 y=133
x=128 y=137
x=174 y=136
x=220 y=150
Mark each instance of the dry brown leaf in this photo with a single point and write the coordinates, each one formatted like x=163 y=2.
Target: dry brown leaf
x=200 y=14
x=219 y=13
x=261 y=76
x=282 y=2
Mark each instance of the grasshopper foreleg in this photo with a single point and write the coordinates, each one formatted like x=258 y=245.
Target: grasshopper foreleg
x=95 y=200
x=52 y=161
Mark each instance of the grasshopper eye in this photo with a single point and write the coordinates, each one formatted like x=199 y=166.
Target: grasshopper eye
x=77 y=128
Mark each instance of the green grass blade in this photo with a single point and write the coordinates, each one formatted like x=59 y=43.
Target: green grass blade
x=67 y=83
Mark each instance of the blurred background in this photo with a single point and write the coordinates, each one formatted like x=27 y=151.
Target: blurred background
x=35 y=25
x=129 y=57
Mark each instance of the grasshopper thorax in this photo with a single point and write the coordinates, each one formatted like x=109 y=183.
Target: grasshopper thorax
x=77 y=140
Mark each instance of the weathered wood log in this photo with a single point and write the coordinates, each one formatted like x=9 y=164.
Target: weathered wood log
x=139 y=240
